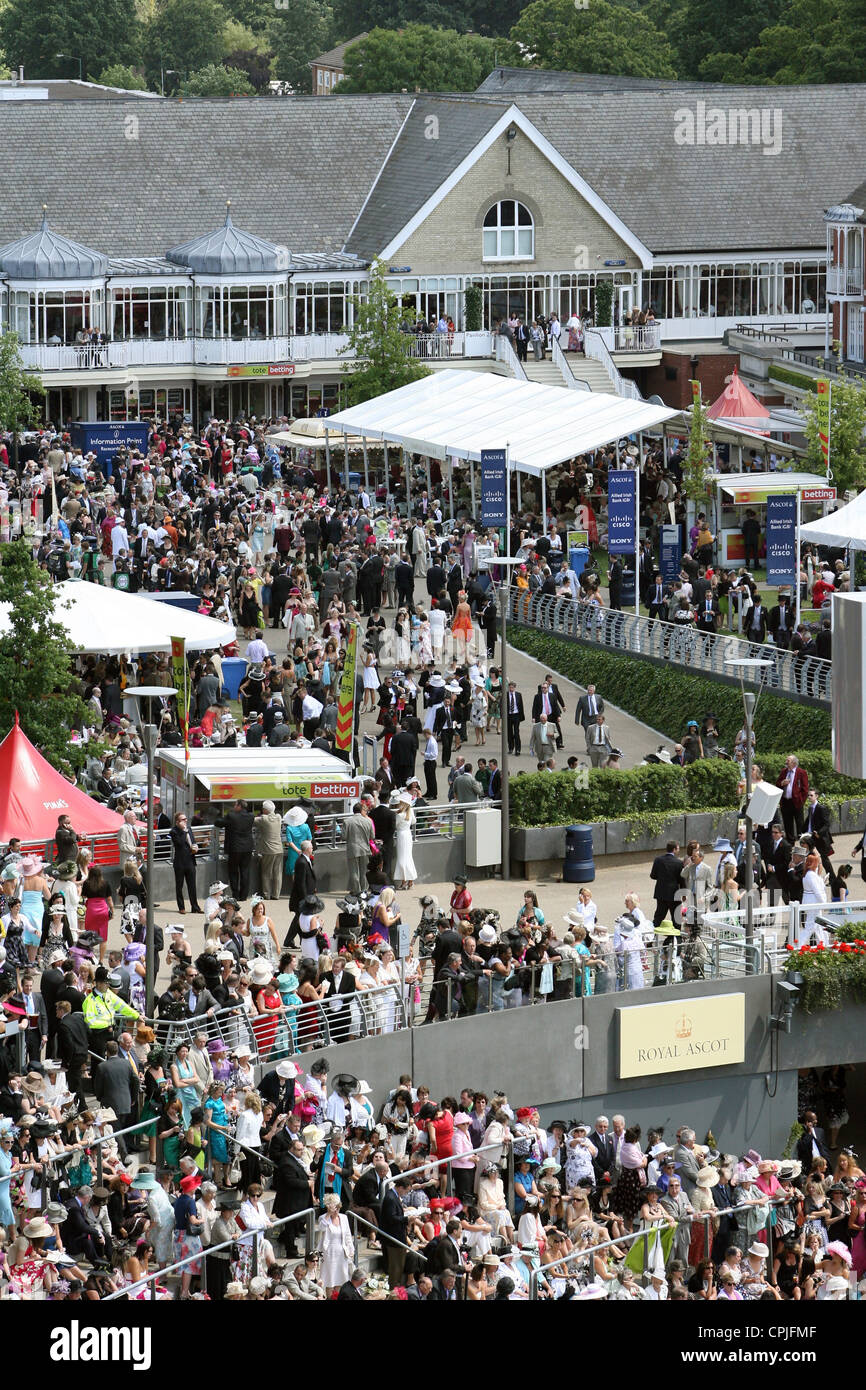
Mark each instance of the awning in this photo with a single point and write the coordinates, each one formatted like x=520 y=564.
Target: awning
x=743 y=487
x=846 y=527
x=259 y=774
x=457 y=414
x=98 y=619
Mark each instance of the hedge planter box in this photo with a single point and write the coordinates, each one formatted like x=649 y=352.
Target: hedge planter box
x=852 y=815
x=538 y=842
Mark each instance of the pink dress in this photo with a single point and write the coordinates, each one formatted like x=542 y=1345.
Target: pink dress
x=96 y=917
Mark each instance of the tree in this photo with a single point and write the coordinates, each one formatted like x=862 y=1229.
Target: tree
x=17 y=387
x=353 y=17
x=296 y=34
x=248 y=51
x=217 y=81
x=116 y=75
x=604 y=303
x=606 y=37
x=36 y=679
x=708 y=28
x=473 y=308
x=33 y=32
x=435 y=60
x=812 y=41
x=847 y=426
x=695 y=466
x=381 y=362
x=185 y=35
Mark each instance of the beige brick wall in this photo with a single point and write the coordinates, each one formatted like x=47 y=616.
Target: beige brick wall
x=450 y=239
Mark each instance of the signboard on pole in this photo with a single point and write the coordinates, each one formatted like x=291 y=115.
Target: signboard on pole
x=696 y=392
x=621 y=512
x=346 y=698
x=262 y=369
x=577 y=538
x=494 y=485
x=671 y=553
x=782 y=539
x=822 y=410
x=181 y=685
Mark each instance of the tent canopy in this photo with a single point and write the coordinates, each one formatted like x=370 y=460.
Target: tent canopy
x=35 y=795
x=457 y=414
x=736 y=403
x=109 y=621
x=845 y=527
x=759 y=484
x=307 y=434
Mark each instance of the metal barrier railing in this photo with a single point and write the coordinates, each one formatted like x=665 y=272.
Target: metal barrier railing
x=105 y=849
x=710 y=652
x=251 y=1238
x=446 y=820
x=504 y=352
x=559 y=359
x=782 y=925
x=704 y=1218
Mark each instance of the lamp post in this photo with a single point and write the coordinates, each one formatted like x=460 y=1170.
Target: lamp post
x=743 y=665
x=70 y=57
x=163 y=74
x=502 y=594
x=149 y=736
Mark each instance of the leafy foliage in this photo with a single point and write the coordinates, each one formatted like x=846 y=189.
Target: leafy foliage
x=473 y=308
x=118 y=75
x=381 y=362
x=434 y=60
x=786 y=377
x=217 y=81
x=695 y=461
x=35 y=675
x=847 y=423
x=185 y=35
x=297 y=34
x=665 y=698
x=606 y=37
x=544 y=798
x=604 y=303
x=17 y=386
x=830 y=973
x=33 y=32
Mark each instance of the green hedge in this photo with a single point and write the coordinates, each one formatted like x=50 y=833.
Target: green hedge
x=665 y=697
x=818 y=763
x=790 y=378
x=657 y=791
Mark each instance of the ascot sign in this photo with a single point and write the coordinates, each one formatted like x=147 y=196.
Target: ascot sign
x=683 y=1035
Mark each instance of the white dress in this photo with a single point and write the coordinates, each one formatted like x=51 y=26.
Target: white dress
x=260 y=936
x=336 y=1249
x=814 y=891
x=405 y=871
x=371 y=678
x=389 y=1005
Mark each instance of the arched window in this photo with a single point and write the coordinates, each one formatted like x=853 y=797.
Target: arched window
x=509 y=232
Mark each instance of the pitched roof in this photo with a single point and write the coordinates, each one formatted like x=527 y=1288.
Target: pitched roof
x=230 y=251
x=334 y=56
x=46 y=255
x=419 y=164
x=509 y=82
x=297 y=169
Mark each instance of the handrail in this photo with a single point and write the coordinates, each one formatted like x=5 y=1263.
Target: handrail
x=506 y=354
x=595 y=347
x=443 y=1162
x=392 y=1240
x=241 y=1238
x=443 y=818
x=808 y=678
x=630 y=1236
x=558 y=357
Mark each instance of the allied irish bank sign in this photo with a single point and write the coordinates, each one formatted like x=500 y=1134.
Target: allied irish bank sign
x=683 y=1035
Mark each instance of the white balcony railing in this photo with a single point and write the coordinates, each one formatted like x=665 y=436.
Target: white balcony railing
x=318 y=347
x=46 y=357
x=641 y=338
x=845 y=280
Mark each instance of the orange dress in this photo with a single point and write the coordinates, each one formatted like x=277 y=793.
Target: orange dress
x=462 y=620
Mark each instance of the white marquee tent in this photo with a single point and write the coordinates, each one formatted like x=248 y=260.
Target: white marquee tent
x=108 y=621
x=455 y=414
x=846 y=527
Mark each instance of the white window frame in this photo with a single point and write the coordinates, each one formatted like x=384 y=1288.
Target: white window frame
x=516 y=227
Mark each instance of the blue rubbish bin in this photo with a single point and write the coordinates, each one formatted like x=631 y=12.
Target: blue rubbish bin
x=578 y=559
x=628 y=587
x=234 y=670
x=579 y=865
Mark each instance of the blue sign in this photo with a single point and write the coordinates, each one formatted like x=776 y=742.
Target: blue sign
x=494 y=488
x=104 y=439
x=782 y=539
x=621 y=512
x=671 y=554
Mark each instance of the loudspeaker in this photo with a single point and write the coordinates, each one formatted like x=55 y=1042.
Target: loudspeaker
x=764 y=803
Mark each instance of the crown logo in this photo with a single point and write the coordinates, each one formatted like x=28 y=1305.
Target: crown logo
x=683 y=1028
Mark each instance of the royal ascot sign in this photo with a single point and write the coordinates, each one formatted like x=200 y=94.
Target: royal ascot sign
x=683 y=1035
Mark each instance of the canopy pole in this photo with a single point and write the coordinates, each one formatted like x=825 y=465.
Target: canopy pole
x=543 y=503
x=366 y=467
x=385 y=456
x=407 y=468
x=472 y=483
x=429 y=483
x=519 y=498
x=797 y=560
x=346 y=453
x=328 y=460
x=617 y=453
x=637 y=541
x=451 y=485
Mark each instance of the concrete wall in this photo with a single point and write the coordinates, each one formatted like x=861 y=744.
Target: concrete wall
x=565 y=223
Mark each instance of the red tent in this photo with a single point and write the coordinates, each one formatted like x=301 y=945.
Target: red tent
x=33 y=794
x=737 y=405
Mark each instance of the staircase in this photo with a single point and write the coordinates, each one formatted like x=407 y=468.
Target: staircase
x=583 y=368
